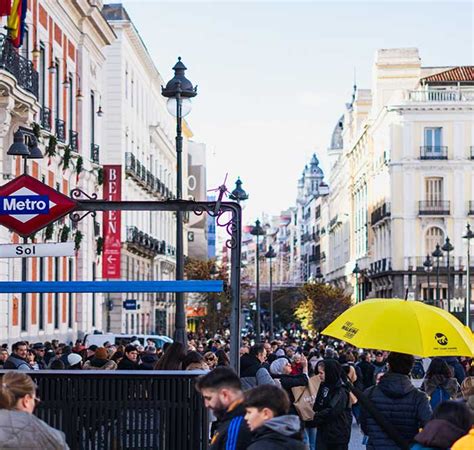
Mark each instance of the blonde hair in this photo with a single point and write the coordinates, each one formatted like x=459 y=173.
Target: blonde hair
x=13 y=386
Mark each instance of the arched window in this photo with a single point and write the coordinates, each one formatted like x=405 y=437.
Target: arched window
x=434 y=235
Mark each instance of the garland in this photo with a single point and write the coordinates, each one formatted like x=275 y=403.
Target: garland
x=51 y=148
x=67 y=157
x=48 y=232
x=36 y=130
x=64 y=233
x=79 y=167
x=77 y=240
x=100 y=176
x=99 y=245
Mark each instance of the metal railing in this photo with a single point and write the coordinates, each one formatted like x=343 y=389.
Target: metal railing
x=20 y=67
x=442 y=95
x=433 y=152
x=380 y=213
x=60 y=128
x=95 y=153
x=74 y=140
x=434 y=207
x=143 y=241
x=158 y=410
x=381 y=266
x=45 y=118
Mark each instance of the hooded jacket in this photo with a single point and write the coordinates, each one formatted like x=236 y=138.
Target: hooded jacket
x=404 y=406
x=456 y=366
x=252 y=373
x=450 y=385
x=100 y=364
x=279 y=433
x=438 y=434
x=22 y=430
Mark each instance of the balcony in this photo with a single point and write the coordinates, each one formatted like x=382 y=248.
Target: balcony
x=434 y=208
x=441 y=95
x=21 y=68
x=315 y=237
x=380 y=213
x=314 y=258
x=45 y=118
x=60 y=127
x=381 y=266
x=430 y=152
x=143 y=243
x=95 y=151
x=74 y=140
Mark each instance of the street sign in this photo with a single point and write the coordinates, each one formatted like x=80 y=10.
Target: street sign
x=27 y=205
x=130 y=304
x=29 y=250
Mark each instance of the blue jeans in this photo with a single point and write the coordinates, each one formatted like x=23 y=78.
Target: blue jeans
x=310 y=437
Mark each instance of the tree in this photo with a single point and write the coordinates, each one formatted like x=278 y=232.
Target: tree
x=321 y=304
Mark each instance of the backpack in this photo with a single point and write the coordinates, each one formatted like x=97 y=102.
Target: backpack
x=418 y=372
x=439 y=395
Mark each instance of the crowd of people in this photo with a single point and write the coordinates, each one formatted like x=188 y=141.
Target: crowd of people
x=297 y=393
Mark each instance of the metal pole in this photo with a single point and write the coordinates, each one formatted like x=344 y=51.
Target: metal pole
x=258 y=292
x=429 y=291
x=357 y=288
x=271 y=299
x=438 y=294
x=180 y=317
x=449 y=293
x=24 y=263
x=468 y=284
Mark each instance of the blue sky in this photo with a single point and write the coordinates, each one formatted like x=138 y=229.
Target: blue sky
x=273 y=77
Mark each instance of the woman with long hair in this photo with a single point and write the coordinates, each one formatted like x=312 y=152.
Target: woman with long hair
x=19 y=427
x=172 y=358
x=439 y=383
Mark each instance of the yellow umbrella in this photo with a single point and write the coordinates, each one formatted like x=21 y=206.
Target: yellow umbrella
x=403 y=326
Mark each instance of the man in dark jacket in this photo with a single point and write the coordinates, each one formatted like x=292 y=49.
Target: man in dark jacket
x=130 y=359
x=267 y=417
x=252 y=371
x=17 y=360
x=222 y=393
x=367 y=370
x=399 y=402
x=39 y=351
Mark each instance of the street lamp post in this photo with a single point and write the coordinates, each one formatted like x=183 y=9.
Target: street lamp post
x=238 y=194
x=356 y=272
x=437 y=254
x=179 y=91
x=447 y=247
x=257 y=231
x=468 y=236
x=428 y=265
x=270 y=255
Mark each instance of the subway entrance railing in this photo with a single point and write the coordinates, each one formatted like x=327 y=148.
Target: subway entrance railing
x=124 y=410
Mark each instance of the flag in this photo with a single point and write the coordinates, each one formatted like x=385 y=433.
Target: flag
x=16 y=22
x=5 y=7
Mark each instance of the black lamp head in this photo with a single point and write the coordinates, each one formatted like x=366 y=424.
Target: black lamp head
x=18 y=148
x=179 y=83
x=356 y=269
x=35 y=152
x=257 y=230
x=238 y=194
x=447 y=247
x=437 y=252
x=469 y=233
x=427 y=263
x=271 y=252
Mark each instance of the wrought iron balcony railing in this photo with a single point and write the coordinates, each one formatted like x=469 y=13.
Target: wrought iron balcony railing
x=95 y=153
x=433 y=152
x=20 y=67
x=60 y=127
x=135 y=169
x=74 y=140
x=380 y=213
x=434 y=208
x=143 y=241
x=45 y=118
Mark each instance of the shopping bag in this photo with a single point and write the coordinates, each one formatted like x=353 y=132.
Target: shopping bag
x=305 y=397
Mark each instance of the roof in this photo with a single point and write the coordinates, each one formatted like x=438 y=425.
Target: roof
x=115 y=11
x=336 y=138
x=455 y=74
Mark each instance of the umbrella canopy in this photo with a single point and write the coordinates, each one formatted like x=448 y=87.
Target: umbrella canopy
x=403 y=326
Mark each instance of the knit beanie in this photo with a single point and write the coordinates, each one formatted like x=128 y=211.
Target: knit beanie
x=278 y=365
x=101 y=353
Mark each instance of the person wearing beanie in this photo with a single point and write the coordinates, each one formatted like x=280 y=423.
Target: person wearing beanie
x=100 y=361
x=74 y=361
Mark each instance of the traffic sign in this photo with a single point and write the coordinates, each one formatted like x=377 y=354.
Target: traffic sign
x=130 y=304
x=27 y=205
x=29 y=250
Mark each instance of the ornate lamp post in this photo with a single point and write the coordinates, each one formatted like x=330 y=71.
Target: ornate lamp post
x=257 y=231
x=356 y=271
x=447 y=247
x=468 y=236
x=437 y=254
x=179 y=91
x=270 y=255
x=238 y=194
x=428 y=265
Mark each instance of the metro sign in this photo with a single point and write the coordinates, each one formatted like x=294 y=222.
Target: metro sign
x=28 y=205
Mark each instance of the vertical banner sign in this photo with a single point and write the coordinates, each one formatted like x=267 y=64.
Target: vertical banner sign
x=112 y=223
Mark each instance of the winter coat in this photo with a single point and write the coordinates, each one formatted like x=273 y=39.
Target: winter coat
x=456 y=366
x=127 y=364
x=21 y=430
x=279 y=433
x=100 y=364
x=438 y=434
x=450 y=385
x=232 y=431
x=16 y=363
x=405 y=407
x=252 y=373
x=367 y=370
x=148 y=361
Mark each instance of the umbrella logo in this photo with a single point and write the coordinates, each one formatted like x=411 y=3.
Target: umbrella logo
x=350 y=330
x=441 y=339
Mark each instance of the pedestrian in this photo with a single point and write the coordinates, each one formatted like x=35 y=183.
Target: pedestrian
x=74 y=361
x=211 y=360
x=395 y=398
x=268 y=419
x=149 y=358
x=222 y=358
x=439 y=383
x=333 y=415
x=379 y=364
x=129 y=360
x=18 y=359
x=456 y=366
x=39 y=349
x=66 y=351
x=3 y=357
x=172 y=358
x=100 y=361
x=467 y=390
x=19 y=427
x=31 y=358
x=195 y=361
x=252 y=372
x=221 y=390
x=451 y=421
x=57 y=364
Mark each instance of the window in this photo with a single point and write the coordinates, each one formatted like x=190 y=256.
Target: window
x=57 y=91
x=434 y=190
x=42 y=75
x=71 y=102
x=433 y=140
x=25 y=47
x=434 y=235
x=92 y=117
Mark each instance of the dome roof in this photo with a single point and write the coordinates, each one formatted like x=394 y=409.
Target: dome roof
x=336 y=138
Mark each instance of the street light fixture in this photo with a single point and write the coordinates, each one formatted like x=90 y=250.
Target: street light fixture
x=447 y=247
x=356 y=271
x=319 y=276
x=428 y=265
x=257 y=231
x=238 y=194
x=437 y=254
x=468 y=236
x=178 y=90
x=270 y=255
